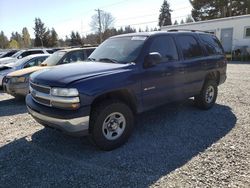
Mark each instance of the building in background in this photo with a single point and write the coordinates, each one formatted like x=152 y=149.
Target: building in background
x=233 y=32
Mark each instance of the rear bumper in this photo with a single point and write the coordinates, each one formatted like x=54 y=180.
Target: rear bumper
x=74 y=123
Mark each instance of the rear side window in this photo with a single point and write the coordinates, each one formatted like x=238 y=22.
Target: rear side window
x=189 y=46
x=166 y=47
x=211 y=44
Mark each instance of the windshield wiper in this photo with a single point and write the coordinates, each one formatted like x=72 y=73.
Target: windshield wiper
x=108 y=60
x=91 y=59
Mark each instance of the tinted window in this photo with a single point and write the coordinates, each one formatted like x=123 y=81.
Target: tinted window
x=211 y=44
x=89 y=52
x=166 y=47
x=189 y=46
x=50 y=51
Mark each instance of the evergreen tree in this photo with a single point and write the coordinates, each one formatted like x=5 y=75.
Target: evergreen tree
x=73 y=39
x=54 y=38
x=175 y=22
x=40 y=32
x=26 y=38
x=3 y=40
x=78 y=39
x=182 y=22
x=165 y=14
x=189 y=19
x=205 y=10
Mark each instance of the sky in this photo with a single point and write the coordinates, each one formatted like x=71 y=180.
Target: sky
x=75 y=15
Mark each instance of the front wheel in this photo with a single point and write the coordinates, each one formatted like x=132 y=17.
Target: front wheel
x=111 y=124
x=207 y=97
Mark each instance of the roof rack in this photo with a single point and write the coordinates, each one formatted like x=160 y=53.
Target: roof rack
x=191 y=30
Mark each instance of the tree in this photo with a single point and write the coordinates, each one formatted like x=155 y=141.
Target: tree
x=78 y=39
x=18 y=38
x=165 y=14
x=106 y=21
x=189 y=19
x=53 y=38
x=175 y=22
x=26 y=38
x=40 y=32
x=205 y=10
x=182 y=22
x=3 y=40
x=13 y=44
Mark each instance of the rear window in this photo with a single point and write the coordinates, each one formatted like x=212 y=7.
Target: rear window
x=189 y=46
x=211 y=44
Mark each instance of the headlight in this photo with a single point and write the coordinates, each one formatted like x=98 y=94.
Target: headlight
x=20 y=79
x=64 y=92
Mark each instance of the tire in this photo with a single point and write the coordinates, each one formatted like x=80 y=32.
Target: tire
x=111 y=124
x=208 y=95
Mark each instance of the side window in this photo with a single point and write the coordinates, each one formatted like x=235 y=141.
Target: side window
x=73 y=57
x=37 y=52
x=31 y=63
x=24 y=54
x=211 y=44
x=166 y=47
x=89 y=52
x=247 y=32
x=189 y=46
x=79 y=55
x=40 y=60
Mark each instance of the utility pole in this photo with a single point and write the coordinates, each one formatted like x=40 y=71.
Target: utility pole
x=100 y=25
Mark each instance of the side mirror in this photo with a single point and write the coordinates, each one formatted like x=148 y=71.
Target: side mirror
x=20 y=57
x=152 y=59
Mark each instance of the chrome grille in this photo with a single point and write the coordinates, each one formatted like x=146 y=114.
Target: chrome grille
x=40 y=88
x=44 y=94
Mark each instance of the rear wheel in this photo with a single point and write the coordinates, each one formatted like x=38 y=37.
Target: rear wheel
x=111 y=124
x=207 y=97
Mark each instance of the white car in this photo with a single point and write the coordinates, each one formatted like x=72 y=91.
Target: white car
x=21 y=54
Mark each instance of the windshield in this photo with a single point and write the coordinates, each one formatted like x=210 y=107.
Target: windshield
x=18 y=62
x=54 y=58
x=120 y=50
x=17 y=54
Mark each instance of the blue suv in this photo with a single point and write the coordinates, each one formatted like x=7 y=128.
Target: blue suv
x=126 y=75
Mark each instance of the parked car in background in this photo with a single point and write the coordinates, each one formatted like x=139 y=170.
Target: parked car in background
x=21 y=54
x=8 y=53
x=129 y=74
x=16 y=83
x=28 y=61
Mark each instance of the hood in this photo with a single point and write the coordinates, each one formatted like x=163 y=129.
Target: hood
x=60 y=76
x=27 y=71
x=6 y=60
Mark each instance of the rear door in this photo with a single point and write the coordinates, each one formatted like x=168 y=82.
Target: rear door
x=191 y=67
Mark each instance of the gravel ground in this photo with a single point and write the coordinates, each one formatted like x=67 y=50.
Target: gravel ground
x=175 y=145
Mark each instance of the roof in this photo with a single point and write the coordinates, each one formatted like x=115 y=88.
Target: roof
x=154 y=33
x=209 y=21
x=75 y=49
x=37 y=55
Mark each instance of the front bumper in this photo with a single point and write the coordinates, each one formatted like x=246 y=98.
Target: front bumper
x=70 y=122
x=16 y=89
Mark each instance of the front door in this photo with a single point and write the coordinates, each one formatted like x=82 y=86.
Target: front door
x=227 y=39
x=160 y=83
